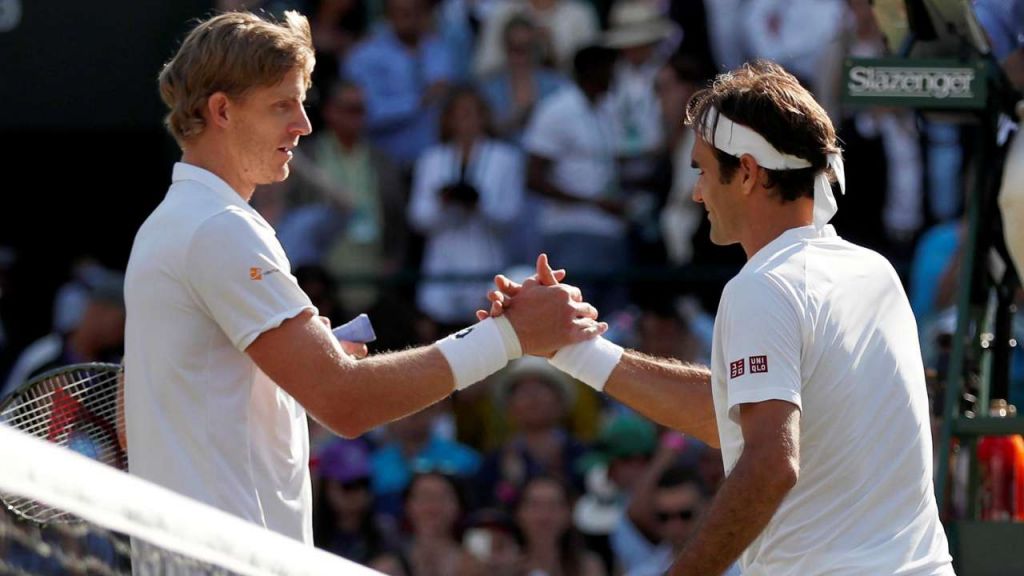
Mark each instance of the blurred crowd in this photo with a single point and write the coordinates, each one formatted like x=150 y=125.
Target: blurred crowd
x=457 y=139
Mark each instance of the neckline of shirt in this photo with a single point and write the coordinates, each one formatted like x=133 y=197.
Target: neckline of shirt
x=800 y=234
x=190 y=172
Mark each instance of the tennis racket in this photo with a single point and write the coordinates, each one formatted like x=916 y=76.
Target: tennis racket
x=76 y=407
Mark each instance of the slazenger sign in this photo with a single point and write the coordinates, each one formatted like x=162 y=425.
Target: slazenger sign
x=912 y=82
x=916 y=83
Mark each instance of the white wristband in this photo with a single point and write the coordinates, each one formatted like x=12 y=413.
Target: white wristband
x=590 y=362
x=476 y=352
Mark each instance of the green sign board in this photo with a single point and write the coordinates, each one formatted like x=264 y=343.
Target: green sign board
x=934 y=84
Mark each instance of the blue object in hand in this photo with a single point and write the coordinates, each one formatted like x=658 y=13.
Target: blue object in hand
x=357 y=329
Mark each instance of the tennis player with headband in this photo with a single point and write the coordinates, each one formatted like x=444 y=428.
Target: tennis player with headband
x=816 y=392
x=224 y=353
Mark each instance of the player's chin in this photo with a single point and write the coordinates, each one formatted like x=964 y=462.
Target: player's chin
x=278 y=173
x=720 y=239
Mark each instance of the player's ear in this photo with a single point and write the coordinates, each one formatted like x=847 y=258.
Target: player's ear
x=217 y=109
x=749 y=173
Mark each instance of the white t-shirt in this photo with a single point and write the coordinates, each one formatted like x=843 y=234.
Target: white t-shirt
x=579 y=139
x=461 y=241
x=205 y=278
x=816 y=321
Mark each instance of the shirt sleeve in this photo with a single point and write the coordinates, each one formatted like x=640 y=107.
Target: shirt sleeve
x=762 y=342
x=240 y=274
x=543 y=136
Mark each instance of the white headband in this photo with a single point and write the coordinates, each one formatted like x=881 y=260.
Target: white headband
x=736 y=140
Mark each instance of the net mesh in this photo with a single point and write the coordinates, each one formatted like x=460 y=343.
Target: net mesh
x=114 y=523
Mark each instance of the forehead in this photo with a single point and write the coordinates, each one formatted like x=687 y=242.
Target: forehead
x=293 y=85
x=703 y=152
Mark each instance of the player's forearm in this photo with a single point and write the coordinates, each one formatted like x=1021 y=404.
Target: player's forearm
x=670 y=392
x=385 y=387
x=739 y=513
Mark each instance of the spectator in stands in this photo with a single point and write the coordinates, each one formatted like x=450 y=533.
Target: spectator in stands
x=414 y=446
x=465 y=191
x=92 y=332
x=641 y=35
x=536 y=398
x=405 y=71
x=678 y=501
x=571 y=147
x=343 y=519
x=514 y=90
x=345 y=198
x=434 y=506
x=551 y=545
x=492 y=538
x=565 y=27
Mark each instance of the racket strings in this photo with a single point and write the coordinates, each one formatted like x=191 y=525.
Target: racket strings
x=34 y=414
x=35 y=394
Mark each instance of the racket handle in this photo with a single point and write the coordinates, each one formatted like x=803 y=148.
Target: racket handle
x=358 y=329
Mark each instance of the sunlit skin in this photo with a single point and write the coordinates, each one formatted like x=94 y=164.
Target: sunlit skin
x=248 y=140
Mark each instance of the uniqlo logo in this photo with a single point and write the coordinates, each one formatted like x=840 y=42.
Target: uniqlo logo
x=736 y=368
x=758 y=364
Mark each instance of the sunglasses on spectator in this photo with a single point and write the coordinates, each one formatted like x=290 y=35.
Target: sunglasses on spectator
x=357 y=484
x=684 y=514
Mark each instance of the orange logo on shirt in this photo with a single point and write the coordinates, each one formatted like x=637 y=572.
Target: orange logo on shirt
x=255 y=273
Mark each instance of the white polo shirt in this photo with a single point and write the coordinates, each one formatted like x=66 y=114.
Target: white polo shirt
x=579 y=139
x=816 y=321
x=205 y=278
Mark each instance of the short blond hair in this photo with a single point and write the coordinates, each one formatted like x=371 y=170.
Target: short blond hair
x=231 y=53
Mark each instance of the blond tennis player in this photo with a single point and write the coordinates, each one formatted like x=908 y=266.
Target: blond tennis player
x=224 y=353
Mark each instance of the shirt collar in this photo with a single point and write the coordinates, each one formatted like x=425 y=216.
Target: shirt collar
x=798 y=235
x=189 y=172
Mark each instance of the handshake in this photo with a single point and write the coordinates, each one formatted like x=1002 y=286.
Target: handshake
x=540 y=317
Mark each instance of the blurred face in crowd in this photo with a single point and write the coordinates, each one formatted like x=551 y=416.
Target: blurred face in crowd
x=677 y=509
x=626 y=471
x=467 y=118
x=722 y=200
x=638 y=55
x=350 y=499
x=432 y=506
x=262 y=128
x=520 y=46
x=408 y=19
x=345 y=114
x=544 y=511
x=535 y=404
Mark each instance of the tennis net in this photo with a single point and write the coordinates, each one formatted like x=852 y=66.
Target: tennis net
x=119 y=524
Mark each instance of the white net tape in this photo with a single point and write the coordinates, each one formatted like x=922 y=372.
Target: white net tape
x=181 y=536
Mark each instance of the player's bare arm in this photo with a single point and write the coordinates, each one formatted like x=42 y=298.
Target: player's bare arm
x=670 y=392
x=350 y=396
x=766 y=471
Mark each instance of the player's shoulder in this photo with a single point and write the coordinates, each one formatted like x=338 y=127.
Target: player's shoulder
x=229 y=222
x=758 y=283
